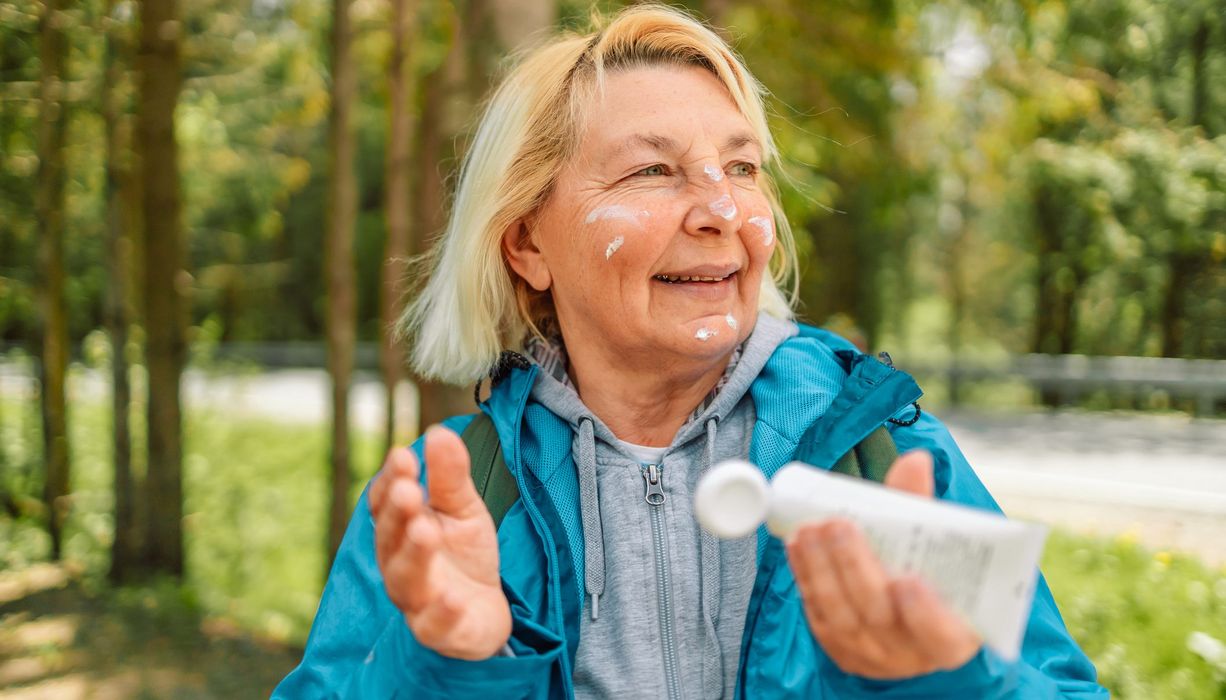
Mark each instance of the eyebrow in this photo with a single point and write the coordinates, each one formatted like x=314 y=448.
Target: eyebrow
x=742 y=139
x=666 y=144
x=652 y=141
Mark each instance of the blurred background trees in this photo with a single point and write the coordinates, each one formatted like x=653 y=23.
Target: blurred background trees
x=966 y=179
x=1064 y=156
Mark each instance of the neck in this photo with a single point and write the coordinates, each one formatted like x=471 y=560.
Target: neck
x=642 y=405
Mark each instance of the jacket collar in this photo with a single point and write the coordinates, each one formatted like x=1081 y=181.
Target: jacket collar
x=813 y=375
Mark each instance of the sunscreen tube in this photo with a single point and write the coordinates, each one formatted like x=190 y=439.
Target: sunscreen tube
x=983 y=565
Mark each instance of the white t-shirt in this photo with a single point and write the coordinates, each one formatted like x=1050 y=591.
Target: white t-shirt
x=643 y=453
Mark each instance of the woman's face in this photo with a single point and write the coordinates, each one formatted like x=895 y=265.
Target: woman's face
x=656 y=236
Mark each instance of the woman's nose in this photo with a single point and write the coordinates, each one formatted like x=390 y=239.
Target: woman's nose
x=713 y=210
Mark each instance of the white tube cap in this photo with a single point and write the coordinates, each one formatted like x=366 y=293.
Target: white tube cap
x=732 y=499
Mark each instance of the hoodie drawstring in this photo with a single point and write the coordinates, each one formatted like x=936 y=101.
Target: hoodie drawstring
x=593 y=551
x=712 y=658
x=589 y=508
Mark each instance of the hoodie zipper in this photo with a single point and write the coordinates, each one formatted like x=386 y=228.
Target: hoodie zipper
x=653 y=481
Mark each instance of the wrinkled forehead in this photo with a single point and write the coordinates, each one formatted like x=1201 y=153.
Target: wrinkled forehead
x=661 y=108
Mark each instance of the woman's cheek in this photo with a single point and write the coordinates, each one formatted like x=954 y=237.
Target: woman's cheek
x=612 y=225
x=761 y=232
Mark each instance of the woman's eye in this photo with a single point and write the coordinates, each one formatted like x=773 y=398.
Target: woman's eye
x=743 y=169
x=653 y=170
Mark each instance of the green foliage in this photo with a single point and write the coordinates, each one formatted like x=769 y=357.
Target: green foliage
x=1139 y=615
x=254 y=520
x=920 y=144
x=255 y=528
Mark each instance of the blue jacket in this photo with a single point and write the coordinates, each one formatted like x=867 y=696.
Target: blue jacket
x=815 y=390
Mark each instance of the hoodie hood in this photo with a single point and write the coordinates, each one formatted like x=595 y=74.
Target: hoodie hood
x=556 y=392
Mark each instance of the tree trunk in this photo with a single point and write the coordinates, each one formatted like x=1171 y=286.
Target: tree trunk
x=436 y=400
x=397 y=183
x=164 y=290
x=1055 y=302
x=1200 y=83
x=493 y=28
x=717 y=12
x=1182 y=269
x=342 y=208
x=490 y=30
x=125 y=545
x=958 y=301
x=836 y=288
x=1182 y=266
x=52 y=125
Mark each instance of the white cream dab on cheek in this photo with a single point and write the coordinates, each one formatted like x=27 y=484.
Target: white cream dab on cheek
x=766 y=226
x=731 y=321
x=704 y=334
x=615 y=211
x=723 y=207
x=713 y=172
x=613 y=246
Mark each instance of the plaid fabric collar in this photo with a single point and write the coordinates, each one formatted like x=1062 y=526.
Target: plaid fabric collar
x=550 y=355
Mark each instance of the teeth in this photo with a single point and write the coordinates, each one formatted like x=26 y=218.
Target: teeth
x=688 y=278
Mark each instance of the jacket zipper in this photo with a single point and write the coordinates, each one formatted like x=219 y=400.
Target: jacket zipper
x=653 y=480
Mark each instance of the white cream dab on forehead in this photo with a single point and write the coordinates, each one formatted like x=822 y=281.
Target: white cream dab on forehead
x=723 y=207
x=713 y=172
x=731 y=321
x=613 y=246
x=766 y=226
x=704 y=334
x=615 y=211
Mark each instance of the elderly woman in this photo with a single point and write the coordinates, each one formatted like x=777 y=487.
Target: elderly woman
x=615 y=225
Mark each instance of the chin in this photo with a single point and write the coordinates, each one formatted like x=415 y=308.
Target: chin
x=715 y=334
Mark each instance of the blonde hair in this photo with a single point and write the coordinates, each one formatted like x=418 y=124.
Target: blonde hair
x=474 y=306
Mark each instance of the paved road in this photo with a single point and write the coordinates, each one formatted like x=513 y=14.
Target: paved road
x=1160 y=478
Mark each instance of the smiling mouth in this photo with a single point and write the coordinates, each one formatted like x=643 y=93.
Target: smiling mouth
x=680 y=279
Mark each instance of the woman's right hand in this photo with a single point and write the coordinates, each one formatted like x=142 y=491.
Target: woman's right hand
x=438 y=553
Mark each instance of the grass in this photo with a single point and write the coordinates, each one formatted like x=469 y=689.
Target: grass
x=255 y=497
x=1134 y=612
x=254 y=511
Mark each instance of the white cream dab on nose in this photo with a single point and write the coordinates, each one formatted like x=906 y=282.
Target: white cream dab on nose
x=704 y=334
x=613 y=246
x=766 y=226
x=723 y=207
x=713 y=172
x=615 y=211
x=731 y=321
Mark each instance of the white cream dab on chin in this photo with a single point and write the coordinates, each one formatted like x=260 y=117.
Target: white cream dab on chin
x=731 y=321
x=615 y=211
x=723 y=207
x=613 y=246
x=766 y=226
x=704 y=334
x=713 y=172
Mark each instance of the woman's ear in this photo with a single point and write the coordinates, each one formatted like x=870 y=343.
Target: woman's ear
x=525 y=257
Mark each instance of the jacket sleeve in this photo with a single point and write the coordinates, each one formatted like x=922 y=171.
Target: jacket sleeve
x=1050 y=666
x=361 y=647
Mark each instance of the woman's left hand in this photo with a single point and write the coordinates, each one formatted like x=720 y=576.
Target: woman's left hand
x=869 y=623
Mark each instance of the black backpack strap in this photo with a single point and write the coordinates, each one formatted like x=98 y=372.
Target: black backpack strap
x=851 y=413
x=489 y=470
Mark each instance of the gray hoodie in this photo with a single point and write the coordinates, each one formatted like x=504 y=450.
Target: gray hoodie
x=665 y=601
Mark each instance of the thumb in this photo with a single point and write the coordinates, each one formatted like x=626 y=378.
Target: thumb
x=912 y=472
x=449 y=479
